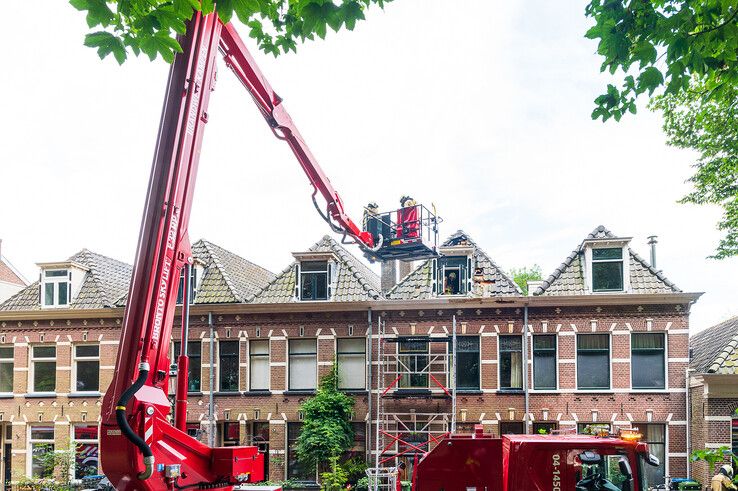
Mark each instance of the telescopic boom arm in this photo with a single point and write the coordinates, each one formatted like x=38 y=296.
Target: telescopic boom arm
x=140 y=448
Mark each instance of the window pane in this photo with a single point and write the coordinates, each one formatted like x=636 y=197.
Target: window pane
x=260 y=347
x=351 y=371
x=544 y=342
x=655 y=436
x=44 y=376
x=194 y=347
x=296 y=471
x=85 y=432
x=467 y=363
x=544 y=370
x=302 y=346
x=62 y=288
x=314 y=286
x=259 y=373
x=593 y=371
x=415 y=360
x=511 y=362
x=42 y=432
x=647 y=341
x=609 y=253
x=544 y=428
x=607 y=276
x=86 y=460
x=593 y=342
x=6 y=352
x=49 y=294
x=302 y=372
x=228 y=365
x=314 y=266
x=90 y=351
x=44 y=351
x=41 y=462
x=351 y=359
x=88 y=376
x=647 y=368
x=6 y=377
x=511 y=428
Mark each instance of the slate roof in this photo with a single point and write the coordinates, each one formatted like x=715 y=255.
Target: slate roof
x=227 y=277
x=568 y=277
x=105 y=282
x=492 y=282
x=715 y=350
x=355 y=281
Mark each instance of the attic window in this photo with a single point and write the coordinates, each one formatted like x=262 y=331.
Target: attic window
x=454 y=275
x=607 y=269
x=55 y=287
x=314 y=280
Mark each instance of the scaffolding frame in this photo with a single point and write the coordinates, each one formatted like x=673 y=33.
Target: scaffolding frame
x=412 y=431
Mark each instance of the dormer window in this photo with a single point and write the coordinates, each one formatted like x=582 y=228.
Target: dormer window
x=56 y=285
x=453 y=275
x=314 y=280
x=607 y=269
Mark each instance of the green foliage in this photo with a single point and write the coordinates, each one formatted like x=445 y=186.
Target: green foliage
x=709 y=127
x=336 y=478
x=712 y=456
x=326 y=431
x=355 y=468
x=56 y=470
x=288 y=484
x=152 y=26
x=660 y=45
x=362 y=484
x=521 y=276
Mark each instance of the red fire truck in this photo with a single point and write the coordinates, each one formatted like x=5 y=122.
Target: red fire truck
x=480 y=462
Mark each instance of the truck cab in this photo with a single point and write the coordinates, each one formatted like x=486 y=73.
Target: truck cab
x=482 y=462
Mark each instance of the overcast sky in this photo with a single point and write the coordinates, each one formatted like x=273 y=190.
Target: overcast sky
x=479 y=107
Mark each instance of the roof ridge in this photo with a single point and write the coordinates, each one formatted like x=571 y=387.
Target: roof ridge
x=252 y=263
x=216 y=260
x=36 y=284
x=351 y=261
x=650 y=268
x=271 y=283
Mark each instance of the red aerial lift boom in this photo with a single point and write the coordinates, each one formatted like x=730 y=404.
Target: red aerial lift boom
x=140 y=448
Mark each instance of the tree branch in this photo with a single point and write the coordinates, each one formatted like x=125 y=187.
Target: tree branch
x=719 y=26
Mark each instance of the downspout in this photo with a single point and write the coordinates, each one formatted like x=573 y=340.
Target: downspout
x=211 y=403
x=688 y=411
x=525 y=371
x=369 y=382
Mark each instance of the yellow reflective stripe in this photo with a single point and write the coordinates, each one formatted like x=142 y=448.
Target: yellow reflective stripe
x=120 y=407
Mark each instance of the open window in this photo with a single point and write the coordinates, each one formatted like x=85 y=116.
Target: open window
x=453 y=275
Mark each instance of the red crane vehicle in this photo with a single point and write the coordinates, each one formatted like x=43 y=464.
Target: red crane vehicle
x=140 y=448
x=480 y=462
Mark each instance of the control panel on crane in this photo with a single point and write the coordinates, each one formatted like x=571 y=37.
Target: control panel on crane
x=140 y=448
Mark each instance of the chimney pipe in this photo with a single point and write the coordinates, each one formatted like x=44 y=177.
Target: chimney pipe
x=652 y=242
x=389 y=275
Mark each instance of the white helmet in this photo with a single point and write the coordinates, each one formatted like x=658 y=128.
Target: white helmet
x=727 y=470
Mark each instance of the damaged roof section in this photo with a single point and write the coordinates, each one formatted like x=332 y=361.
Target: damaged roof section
x=569 y=277
x=487 y=278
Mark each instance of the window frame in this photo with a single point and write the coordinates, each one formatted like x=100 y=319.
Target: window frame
x=339 y=354
x=290 y=356
x=11 y=362
x=77 y=358
x=220 y=366
x=193 y=285
x=289 y=453
x=55 y=281
x=176 y=346
x=478 y=386
x=664 y=354
x=499 y=364
x=643 y=430
x=302 y=274
x=33 y=359
x=266 y=355
x=556 y=362
x=76 y=441
x=38 y=441
x=620 y=260
x=461 y=264
x=406 y=380
x=609 y=363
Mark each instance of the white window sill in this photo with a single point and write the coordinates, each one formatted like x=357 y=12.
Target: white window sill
x=40 y=394
x=85 y=394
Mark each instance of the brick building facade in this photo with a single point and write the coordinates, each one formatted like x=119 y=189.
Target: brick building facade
x=606 y=343
x=713 y=391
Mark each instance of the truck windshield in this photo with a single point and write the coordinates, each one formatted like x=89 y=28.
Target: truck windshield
x=612 y=473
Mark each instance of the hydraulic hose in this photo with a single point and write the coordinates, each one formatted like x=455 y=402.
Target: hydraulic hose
x=125 y=428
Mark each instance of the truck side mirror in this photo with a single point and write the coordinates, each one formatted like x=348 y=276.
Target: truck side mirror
x=653 y=460
x=625 y=468
x=590 y=457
